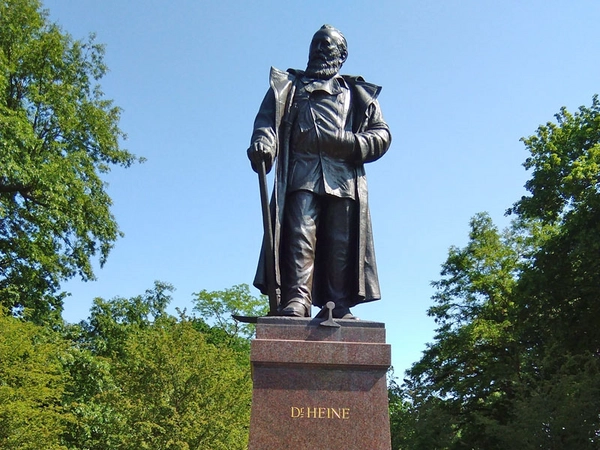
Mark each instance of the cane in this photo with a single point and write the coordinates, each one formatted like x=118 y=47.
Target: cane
x=268 y=246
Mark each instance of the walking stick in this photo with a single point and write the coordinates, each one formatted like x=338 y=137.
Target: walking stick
x=269 y=257
x=268 y=246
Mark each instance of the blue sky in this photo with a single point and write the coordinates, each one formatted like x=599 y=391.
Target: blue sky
x=462 y=82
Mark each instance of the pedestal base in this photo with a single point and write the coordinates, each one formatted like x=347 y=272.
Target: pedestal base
x=318 y=387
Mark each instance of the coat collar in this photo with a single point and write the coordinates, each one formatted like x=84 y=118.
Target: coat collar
x=332 y=86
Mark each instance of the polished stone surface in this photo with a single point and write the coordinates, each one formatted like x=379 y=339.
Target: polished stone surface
x=319 y=388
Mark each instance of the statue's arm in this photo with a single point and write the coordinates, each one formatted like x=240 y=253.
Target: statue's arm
x=263 y=144
x=375 y=139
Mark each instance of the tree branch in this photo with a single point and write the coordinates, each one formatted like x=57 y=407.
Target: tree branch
x=22 y=189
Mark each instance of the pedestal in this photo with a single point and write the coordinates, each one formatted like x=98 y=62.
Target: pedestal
x=317 y=387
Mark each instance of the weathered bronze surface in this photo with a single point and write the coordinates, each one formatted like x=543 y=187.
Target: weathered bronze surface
x=318 y=128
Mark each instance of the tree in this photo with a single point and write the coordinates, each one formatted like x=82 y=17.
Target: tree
x=565 y=164
x=558 y=294
x=58 y=135
x=32 y=384
x=142 y=378
x=112 y=321
x=562 y=289
x=179 y=392
x=516 y=358
x=466 y=378
x=218 y=307
x=95 y=398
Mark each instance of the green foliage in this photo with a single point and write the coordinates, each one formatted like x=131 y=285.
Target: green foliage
x=93 y=400
x=218 y=307
x=142 y=379
x=466 y=377
x=132 y=377
x=565 y=163
x=58 y=134
x=32 y=383
x=402 y=425
x=112 y=321
x=515 y=362
x=180 y=392
x=558 y=410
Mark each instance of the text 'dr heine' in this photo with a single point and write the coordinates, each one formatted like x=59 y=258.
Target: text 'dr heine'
x=319 y=413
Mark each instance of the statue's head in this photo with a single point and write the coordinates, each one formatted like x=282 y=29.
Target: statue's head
x=328 y=51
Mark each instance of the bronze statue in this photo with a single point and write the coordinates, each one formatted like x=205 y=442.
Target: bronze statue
x=319 y=128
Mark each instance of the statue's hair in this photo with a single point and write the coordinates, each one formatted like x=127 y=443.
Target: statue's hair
x=343 y=42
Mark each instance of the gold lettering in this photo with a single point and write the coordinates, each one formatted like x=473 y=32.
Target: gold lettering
x=320 y=412
x=314 y=412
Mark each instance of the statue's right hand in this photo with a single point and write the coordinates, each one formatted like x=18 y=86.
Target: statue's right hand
x=258 y=153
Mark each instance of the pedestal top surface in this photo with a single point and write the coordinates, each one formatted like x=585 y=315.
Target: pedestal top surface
x=307 y=329
x=308 y=321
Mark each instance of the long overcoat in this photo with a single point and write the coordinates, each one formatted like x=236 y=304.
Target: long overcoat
x=373 y=139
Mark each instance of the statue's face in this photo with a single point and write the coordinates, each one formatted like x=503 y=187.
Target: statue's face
x=326 y=55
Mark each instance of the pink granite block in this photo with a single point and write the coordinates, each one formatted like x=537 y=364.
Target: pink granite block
x=308 y=330
x=326 y=353
x=319 y=394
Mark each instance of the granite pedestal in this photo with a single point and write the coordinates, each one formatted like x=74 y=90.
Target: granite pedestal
x=317 y=387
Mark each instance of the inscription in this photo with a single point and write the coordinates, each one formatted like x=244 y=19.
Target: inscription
x=319 y=413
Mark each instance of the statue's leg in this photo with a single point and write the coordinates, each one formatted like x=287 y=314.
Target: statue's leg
x=298 y=244
x=340 y=231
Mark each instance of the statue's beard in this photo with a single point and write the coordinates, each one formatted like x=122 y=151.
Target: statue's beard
x=323 y=69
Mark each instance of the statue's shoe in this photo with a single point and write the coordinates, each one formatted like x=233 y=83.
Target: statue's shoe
x=295 y=308
x=343 y=313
